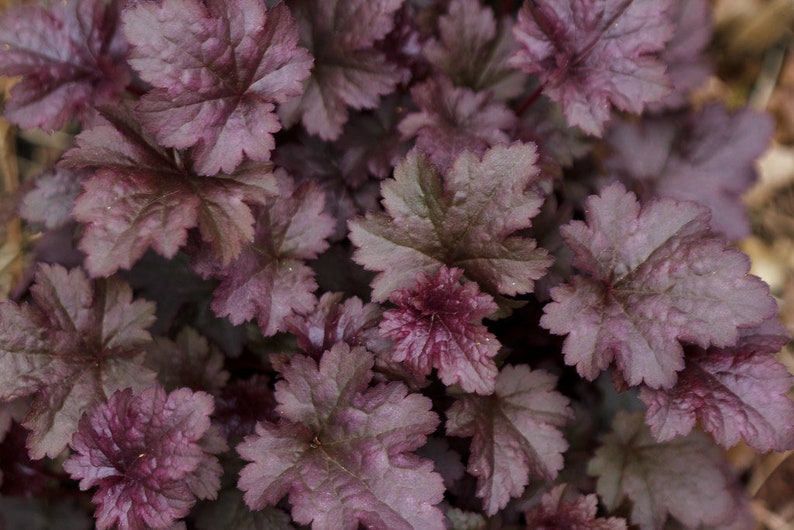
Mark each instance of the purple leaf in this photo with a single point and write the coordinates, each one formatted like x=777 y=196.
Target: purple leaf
x=269 y=280
x=189 y=361
x=51 y=200
x=352 y=322
x=150 y=455
x=242 y=404
x=651 y=276
x=515 y=433
x=348 y=70
x=70 y=56
x=453 y=120
x=342 y=450
x=706 y=157
x=589 y=56
x=684 y=477
x=142 y=196
x=438 y=325
x=737 y=392
x=688 y=66
x=556 y=510
x=77 y=344
x=466 y=218
x=474 y=48
x=218 y=69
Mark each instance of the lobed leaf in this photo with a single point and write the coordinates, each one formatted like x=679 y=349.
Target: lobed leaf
x=515 y=433
x=342 y=450
x=70 y=56
x=465 y=218
x=218 y=69
x=592 y=55
x=149 y=455
x=77 y=344
x=140 y=195
x=651 y=276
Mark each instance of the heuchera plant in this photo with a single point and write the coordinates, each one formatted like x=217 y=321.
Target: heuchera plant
x=398 y=264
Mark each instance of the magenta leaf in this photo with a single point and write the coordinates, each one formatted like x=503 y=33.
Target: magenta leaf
x=706 y=157
x=465 y=218
x=269 y=280
x=651 y=276
x=438 y=325
x=352 y=322
x=737 y=392
x=474 y=48
x=189 y=361
x=348 y=69
x=70 y=56
x=74 y=346
x=684 y=477
x=590 y=56
x=141 y=195
x=218 y=68
x=150 y=455
x=515 y=433
x=342 y=450
x=557 y=510
x=452 y=120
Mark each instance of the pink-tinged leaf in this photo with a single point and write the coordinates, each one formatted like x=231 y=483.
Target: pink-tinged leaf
x=474 y=48
x=348 y=69
x=352 y=322
x=688 y=66
x=52 y=197
x=439 y=325
x=342 y=450
x=74 y=346
x=218 y=68
x=453 y=120
x=140 y=196
x=269 y=280
x=149 y=455
x=465 y=218
x=738 y=392
x=515 y=433
x=592 y=55
x=708 y=157
x=651 y=276
x=560 y=509
x=684 y=477
x=189 y=361
x=70 y=56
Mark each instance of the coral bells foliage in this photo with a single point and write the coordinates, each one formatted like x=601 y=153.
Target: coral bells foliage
x=393 y=245
x=150 y=455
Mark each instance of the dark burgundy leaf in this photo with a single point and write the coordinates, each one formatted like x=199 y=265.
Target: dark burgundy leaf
x=189 y=361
